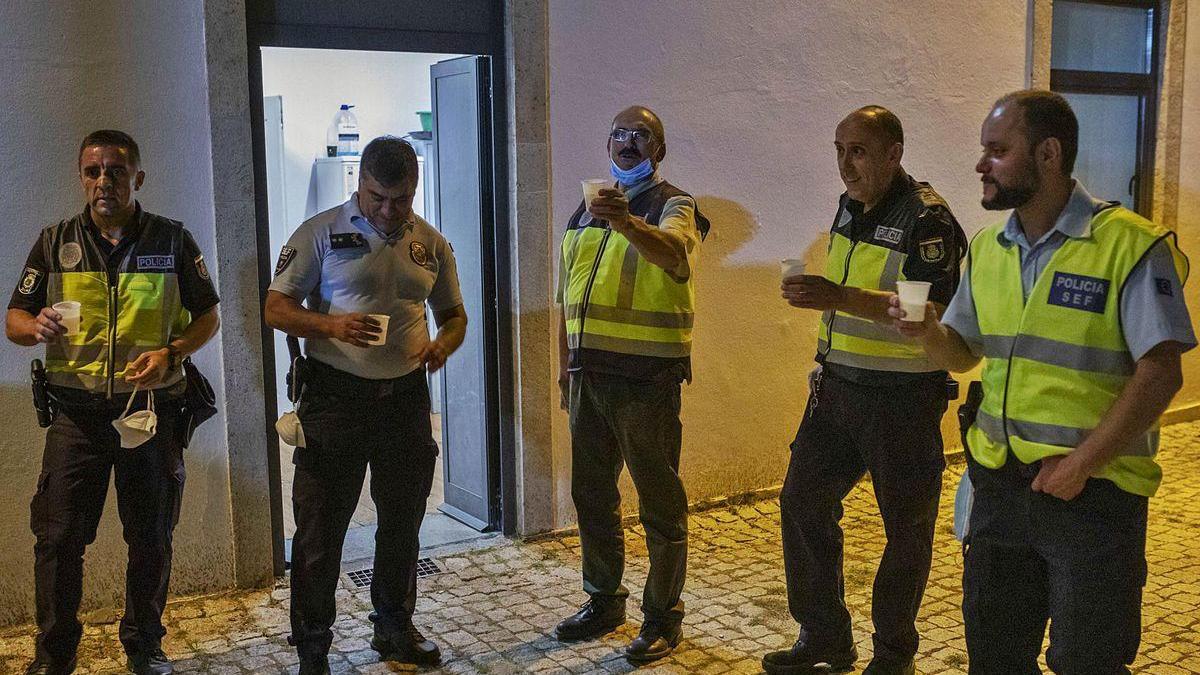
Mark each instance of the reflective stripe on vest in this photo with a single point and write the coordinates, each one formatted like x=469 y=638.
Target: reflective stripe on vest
x=1055 y=364
x=858 y=342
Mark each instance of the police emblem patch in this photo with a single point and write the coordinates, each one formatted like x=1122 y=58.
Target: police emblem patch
x=933 y=250
x=201 y=267
x=69 y=255
x=155 y=262
x=29 y=281
x=1164 y=287
x=285 y=258
x=419 y=255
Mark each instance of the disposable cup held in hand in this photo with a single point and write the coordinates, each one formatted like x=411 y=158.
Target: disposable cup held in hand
x=591 y=189
x=913 y=295
x=791 y=267
x=380 y=337
x=69 y=310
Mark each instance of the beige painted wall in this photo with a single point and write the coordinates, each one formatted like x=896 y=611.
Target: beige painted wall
x=1188 y=213
x=750 y=94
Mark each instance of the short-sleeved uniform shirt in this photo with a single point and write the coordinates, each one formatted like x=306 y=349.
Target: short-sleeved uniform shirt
x=1153 y=310
x=196 y=289
x=338 y=263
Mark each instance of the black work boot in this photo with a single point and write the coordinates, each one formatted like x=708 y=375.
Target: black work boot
x=150 y=662
x=314 y=664
x=46 y=665
x=405 y=645
x=881 y=666
x=811 y=656
x=654 y=641
x=597 y=617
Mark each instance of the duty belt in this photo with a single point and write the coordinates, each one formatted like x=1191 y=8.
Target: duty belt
x=329 y=381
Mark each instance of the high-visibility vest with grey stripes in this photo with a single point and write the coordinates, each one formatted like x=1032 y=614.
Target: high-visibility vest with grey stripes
x=1056 y=363
x=874 y=263
x=615 y=300
x=136 y=309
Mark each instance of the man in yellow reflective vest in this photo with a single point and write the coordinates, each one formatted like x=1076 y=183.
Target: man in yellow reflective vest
x=626 y=284
x=875 y=405
x=139 y=299
x=1076 y=307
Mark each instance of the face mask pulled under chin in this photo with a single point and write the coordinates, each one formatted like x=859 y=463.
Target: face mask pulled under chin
x=631 y=176
x=138 y=427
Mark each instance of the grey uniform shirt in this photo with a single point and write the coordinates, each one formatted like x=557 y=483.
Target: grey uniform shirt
x=338 y=263
x=1153 y=310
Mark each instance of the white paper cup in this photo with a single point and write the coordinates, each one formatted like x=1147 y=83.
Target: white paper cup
x=591 y=189
x=69 y=310
x=380 y=337
x=791 y=267
x=913 y=295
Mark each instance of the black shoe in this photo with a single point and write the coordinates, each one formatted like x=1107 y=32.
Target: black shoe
x=44 y=665
x=878 y=666
x=594 y=619
x=150 y=662
x=810 y=657
x=654 y=641
x=406 y=645
x=314 y=664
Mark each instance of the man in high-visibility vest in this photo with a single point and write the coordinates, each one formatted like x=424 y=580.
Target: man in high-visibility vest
x=626 y=284
x=875 y=405
x=1076 y=307
x=144 y=300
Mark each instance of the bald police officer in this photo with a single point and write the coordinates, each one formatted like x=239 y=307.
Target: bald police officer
x=365 y=403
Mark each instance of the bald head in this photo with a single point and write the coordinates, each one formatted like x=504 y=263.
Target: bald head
x=879 y=122
x=646 y=140
x=870 y=145
x=631 y=116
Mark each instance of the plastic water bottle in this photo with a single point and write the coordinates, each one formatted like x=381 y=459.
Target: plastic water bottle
x=347 y=131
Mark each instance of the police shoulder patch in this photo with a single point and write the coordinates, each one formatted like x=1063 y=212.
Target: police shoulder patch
x=933 y=250
x=201 y=268
x=285 y=258
x=30 y=280
x=1164 y=287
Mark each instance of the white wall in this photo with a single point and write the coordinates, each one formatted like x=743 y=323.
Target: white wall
x=750 y=94
x=387 y=89
x=67 y=68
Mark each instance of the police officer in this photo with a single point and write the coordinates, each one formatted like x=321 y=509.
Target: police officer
x=875 y=405
x=1076 y=307
x=626 y=283
x=366 y=399
x=146 y=301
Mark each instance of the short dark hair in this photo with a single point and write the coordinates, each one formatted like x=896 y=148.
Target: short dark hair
x=112 y=137
x=390 y=160
x=1047 y=115
x=884 y=122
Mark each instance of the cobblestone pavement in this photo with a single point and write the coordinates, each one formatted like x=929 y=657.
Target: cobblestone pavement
x=493 y=609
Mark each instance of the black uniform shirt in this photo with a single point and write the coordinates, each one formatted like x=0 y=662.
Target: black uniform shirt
x=196 y=289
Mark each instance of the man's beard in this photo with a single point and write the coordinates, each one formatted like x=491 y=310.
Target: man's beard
x=1014 y=196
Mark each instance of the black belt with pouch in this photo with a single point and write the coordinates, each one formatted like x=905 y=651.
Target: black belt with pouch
x=969 y=409
x=199 y=402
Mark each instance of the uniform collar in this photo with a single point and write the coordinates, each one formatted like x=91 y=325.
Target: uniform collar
x=352 y=216
x=1074 y=221
x=632 y=191
x=900 y=185
x=130 y=233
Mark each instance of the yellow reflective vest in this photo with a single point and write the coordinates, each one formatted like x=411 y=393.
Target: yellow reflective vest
x=124 y=313
x=1056 y=363
x=616 y=301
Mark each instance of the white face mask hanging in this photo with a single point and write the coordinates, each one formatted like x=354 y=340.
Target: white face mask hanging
x=139 y=427
x=288 y=425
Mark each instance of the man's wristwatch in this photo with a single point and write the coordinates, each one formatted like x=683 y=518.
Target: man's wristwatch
x=174 y=358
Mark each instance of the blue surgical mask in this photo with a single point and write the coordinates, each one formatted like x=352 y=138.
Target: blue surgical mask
x=632 y=176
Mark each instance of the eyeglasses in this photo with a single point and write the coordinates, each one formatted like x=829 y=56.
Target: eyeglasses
x=621 y=135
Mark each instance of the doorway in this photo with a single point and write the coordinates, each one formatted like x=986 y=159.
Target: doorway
x=439 y=100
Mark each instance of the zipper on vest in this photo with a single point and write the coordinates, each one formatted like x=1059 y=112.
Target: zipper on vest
x=833 y=313
x=112 y=339
x=587 y=291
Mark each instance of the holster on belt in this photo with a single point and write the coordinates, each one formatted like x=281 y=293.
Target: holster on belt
x=297 y=374
x=43 y=403
x=969 y=409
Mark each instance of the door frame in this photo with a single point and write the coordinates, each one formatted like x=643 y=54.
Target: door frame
x=434 y=26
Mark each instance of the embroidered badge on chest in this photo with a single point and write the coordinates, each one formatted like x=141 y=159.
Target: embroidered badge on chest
x=69 y=255
x=891 y=235
x=418 y=253
x=933 y=250
x=155 y=262
x=1077 y=291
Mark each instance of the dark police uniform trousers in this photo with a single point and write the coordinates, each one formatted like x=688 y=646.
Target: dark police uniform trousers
x=349 y=423
x=1079 y=563
x=894 y=433
x=617 y=421
x=82 y=450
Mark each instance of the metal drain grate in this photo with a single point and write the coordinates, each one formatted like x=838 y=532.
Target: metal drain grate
x=362 y=578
